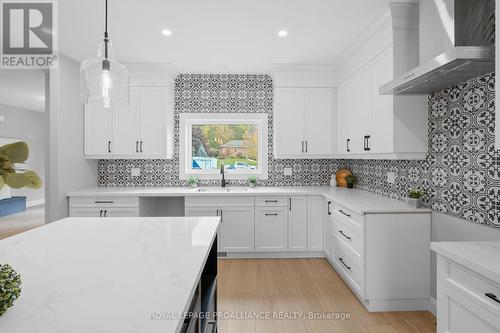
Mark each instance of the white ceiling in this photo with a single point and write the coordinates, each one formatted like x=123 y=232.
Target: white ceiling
x=24 y=89
x=217 y=36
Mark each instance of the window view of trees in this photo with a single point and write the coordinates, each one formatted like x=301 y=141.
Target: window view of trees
x=235 y=145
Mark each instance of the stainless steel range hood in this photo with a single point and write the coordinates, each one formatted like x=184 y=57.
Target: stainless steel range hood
x=457 y=39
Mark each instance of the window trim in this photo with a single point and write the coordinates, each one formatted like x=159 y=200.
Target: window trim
x=186 y=120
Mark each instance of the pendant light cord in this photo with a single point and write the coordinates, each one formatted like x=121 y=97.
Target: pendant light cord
x=106 y=30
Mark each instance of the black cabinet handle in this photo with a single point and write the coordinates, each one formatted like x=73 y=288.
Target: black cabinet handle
x=274 y=214
x=269 y=201
x=340 y=210
x=137 y=146
x=290 y=200
x=342 y=233
x=367 y=143
x=140 y=149
x=100 y=213
x=343 y=263
x=302 y=146
x=306 y=146
x=329 y=212
x=104 y=202
x=109 y=146
x=493 y=297
x=347 y=144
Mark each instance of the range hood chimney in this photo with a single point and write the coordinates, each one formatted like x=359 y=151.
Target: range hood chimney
x=457 y=43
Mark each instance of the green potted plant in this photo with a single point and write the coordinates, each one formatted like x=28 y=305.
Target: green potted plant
x=10 y=287
x=252 y=181
x=12 y=176
x=351 y=180
x=414 y=199
x=193 y=181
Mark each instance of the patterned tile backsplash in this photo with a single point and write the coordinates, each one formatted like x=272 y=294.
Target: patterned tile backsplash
x=460 y=176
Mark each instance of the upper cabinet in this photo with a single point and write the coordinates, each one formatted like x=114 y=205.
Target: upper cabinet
x=141 y=129
x=304 y=122
x=371 y=125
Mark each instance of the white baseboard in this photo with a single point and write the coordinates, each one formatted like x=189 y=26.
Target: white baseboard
x=433 y=306
x=271 y=255
x=34 y=203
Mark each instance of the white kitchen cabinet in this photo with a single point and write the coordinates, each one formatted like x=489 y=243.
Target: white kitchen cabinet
x=315 y=220
x=237 y=229
x=328 y=230
x=304 y=122
x=98 y=128
x=297 y=224
x=142 y=128
x=271 y=229
x=467 y=295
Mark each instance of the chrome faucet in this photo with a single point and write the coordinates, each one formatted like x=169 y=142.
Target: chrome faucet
x=223 y=183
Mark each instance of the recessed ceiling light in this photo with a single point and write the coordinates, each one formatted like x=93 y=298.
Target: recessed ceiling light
x=282 y=33
x=166 y=32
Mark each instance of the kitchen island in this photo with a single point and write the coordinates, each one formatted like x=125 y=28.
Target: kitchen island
x=125 y=275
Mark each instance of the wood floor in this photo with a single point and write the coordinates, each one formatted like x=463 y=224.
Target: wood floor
x=301 y=285
x=14 y=224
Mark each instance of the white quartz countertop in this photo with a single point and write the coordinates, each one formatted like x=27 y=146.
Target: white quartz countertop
x=481 y=257
x=84 y=275
x=362 y=202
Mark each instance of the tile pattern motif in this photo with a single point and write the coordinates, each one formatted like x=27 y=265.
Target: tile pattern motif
x=460 y=176
x=200 y=93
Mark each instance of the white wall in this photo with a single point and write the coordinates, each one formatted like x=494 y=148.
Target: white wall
x=68 y=170
x=28 y=126
x=446 y=228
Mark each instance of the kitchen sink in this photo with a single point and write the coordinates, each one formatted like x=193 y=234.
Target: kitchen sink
x=221 y=189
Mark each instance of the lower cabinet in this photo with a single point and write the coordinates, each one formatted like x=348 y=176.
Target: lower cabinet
x=328 y=230
x=103 y=207
x=271 y=229
x=297 y=223
x=315 y=220
x=237 y=227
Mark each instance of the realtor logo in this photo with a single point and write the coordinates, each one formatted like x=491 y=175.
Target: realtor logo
x=28 y=34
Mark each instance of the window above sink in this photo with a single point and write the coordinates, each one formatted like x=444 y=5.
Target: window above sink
x=236 y=142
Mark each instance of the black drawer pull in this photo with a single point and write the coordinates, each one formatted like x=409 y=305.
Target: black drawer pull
x=103 y=202
x=493 y=297
x=274 y=214
x=329 y=212
x=343 y=263
x=268 y=201
x=340 y=210
x=342 y=233
x=100 y=213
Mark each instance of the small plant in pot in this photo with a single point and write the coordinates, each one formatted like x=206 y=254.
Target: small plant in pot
x=414 y=199
x=252 y=181
x=193 y=181
x=351 y=180
x=10 y=287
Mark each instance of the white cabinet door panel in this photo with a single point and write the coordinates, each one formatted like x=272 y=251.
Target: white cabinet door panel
x=98 y=128
x=359 y=109
x=237 y=229
x=319 y=122
x=297 y=223
x=153 y=120
x=289 y=122
x=125 y=129
x=315 y=220
x=270 y=229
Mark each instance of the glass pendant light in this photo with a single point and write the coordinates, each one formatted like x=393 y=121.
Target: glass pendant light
x=103 y=77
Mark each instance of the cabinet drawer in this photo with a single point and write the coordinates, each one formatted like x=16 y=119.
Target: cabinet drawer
x=470 y=284
x=355 y=220
x=275 y=201
x=104 y=212
x=102 y=201
x=348 y=233
x=352 y=272
x=220 y=200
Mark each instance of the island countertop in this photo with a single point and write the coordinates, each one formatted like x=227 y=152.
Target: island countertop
x=84 y=275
